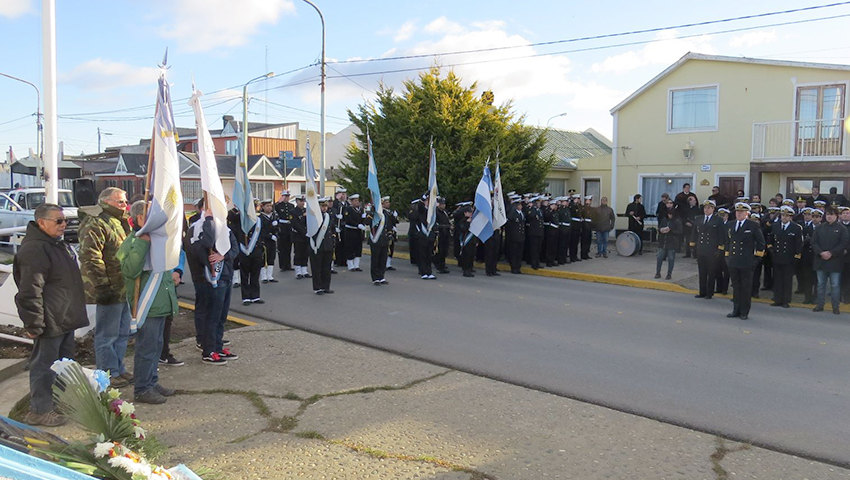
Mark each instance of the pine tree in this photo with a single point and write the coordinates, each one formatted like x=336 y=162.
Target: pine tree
x=465 y=129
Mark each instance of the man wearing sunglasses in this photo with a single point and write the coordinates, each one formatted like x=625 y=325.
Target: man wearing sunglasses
x=50 y=304
x=103 y=229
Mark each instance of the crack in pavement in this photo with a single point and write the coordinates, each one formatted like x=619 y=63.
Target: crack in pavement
x=285 y=424
x=720 y=454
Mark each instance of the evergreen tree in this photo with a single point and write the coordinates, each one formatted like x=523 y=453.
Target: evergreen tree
x=465 y=130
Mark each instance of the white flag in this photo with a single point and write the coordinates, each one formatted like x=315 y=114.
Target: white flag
x=500 y=216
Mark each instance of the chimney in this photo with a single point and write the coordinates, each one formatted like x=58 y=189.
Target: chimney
x=227 y=119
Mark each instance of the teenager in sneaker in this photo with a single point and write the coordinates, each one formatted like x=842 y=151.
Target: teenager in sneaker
x=51 y=305
x=217 y=291
x=149 y=337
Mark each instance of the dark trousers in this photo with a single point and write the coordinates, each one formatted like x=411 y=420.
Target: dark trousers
x=551 y=246
x=563 y=245
x=443 y=242
x=707 y=265
x=145 y=359
x=250 y=275
x=218 y=306
x=767 y=266
x=806 y=279
x=379 y=261
x=166 y=337
x=467 y=255
x=321 y=262
x=270 y=251
x=339 y=251
x=757 y=276
x=201 y=306
x=722 y=276
x=586 y=239
x=687 y=244
x=742 y=285
x=284 y=250
x=534 y=251
x=515 y=255
x=491 y=253
x=425 y=248
x=300 y=257
x=45 y=351
x=782 y=279
x=413 y=246
x=353 y=243
x=575 y=239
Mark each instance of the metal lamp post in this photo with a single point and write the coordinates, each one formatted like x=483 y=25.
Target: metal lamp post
x=322 y=127
x=555 y=116
x=245 y=114
x=38 y=137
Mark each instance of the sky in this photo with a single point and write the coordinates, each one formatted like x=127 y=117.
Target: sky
x=107 y=55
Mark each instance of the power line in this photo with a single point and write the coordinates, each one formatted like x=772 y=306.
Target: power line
x=602 y=47
x=17 y=119
x=602 y=36
x=299 y=109
x=352 y=80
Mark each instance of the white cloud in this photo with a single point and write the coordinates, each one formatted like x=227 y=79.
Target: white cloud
x=203 y=25
x=405 y=32
x=443 y=25
x=100 y=74
x=751 y=39
x=663 y=52
x=15 y=8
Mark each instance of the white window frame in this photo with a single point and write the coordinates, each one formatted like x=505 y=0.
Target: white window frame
x=598 y=200
x=670 y=91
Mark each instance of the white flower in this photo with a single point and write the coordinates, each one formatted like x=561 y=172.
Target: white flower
x=113 y=394
x=139 y=432
x=102 y=449
x=126 y=408
x=123 y=463
x=59 y=366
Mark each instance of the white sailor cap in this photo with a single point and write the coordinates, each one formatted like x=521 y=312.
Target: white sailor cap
x=711 y=203
x=722 y=210
x=324 y=200
x=755 y=215
x=820 y=203
x=842 y=208
x=385 y=199
x=511 y=193
x=300 y=197
x=743 y=199
x=786 y=210
x=415 y=201
x=807 y=210
x=575 y=195
x=356 y=196
x=341 y=190
x=268 y=200
x=817 y=212
x=516 y=200
x=284 y=193
x=776 y=209
x=588 y=197
x=742 y=207
x=463 y=204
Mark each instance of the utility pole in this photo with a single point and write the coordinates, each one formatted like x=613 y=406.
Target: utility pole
x=48 y=57
x=322 y=128
x=99 y=134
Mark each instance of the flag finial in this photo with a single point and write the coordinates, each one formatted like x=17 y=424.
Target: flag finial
x=164 y=63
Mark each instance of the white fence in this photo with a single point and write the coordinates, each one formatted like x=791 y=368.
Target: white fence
x=800 y=140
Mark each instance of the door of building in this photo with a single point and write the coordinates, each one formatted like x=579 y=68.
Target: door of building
x=591 y=187
x=729 y=186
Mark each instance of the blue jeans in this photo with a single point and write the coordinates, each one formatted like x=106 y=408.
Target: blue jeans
x=660 y=255
x=835 y=285
x=218 y=307
x=111 y=332
x=201 y=302
x=602 y=242
x=148 y=349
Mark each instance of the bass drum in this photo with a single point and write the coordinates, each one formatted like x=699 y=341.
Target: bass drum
x=628 y=243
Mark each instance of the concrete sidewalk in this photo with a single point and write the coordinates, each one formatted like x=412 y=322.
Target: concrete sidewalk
x=299 y=405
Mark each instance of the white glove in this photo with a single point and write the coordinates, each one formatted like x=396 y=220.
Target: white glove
x=339 y=217
x=274 y=238
x=362 y=227
x=363 y=215
x=274 y=223
x=395 y=229
x=395 y=214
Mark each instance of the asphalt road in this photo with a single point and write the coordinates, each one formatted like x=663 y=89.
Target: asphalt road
x=778 y=380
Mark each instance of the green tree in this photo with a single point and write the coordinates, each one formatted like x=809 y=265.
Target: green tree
x=465 y=131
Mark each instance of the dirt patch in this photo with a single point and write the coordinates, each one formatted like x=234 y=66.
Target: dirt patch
x=182 y=327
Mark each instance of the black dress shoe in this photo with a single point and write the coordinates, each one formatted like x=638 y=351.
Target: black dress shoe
x=708 y=297
x=785 y=305
x=392 y=269
x=467 y=274
x=329 y=291
x=775 y=304
x=732 y=315
x=334 y=272
x=744 y=317
x=273 y=280
x=516 y=272
x=497 y=274
x=818 y=308
x=699 y=296
x=260 y=301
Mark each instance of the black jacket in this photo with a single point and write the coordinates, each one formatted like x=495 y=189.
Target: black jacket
x=534 y=221
x=744 y=245
x=670 y=240
x=50 y=299
x=636 y=211
x=786 y=244
x=199 y=252
x=829 y=238
x=708 y=237
x=516 y=226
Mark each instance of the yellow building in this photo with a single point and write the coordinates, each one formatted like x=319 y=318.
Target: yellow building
x=582 y=163
x=762 y=126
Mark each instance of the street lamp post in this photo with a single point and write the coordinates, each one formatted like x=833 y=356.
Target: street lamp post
x=38 y=137
x=322 y=127
x=245 y=115
x=555 y=116
x=99 y=134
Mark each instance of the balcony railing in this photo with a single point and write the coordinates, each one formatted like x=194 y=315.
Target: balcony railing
x=800 y=140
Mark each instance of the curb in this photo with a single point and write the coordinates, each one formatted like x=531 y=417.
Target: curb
x=607 y=279
x=240 y=321
x=13 y=369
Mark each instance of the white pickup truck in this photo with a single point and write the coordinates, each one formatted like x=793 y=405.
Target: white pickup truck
x=17 y=208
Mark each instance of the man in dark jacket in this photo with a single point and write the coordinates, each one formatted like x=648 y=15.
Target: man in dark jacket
x=670 y=229
x=444 y=236
x=51 y=304
x=636 y=214
x=787 y=248
x=708 y=244
x=516 y=235
x=320 y=258
x=829 y=242
x=535 y=232
x=744 y=244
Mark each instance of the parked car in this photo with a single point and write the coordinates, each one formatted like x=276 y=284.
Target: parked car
x=17 y=208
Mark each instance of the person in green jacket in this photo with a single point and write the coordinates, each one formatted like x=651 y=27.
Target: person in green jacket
x=149 y=337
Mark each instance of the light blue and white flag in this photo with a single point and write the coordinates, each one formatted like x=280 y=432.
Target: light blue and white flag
x=164 y=220
x=500 y=214
x=433 y=192
x=315 y=218
x=482 y=219
x=243 y=197
x=378 y=220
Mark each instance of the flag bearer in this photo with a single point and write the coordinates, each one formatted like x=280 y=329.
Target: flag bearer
x=321 y=250
x=268 y=232
x=284 y=231
x=250 y=263
x=299 y=238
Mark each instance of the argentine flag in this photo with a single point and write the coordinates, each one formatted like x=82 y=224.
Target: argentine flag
x=372 y=182
x=433 y=192
x=314 y=212
x=482 y=220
